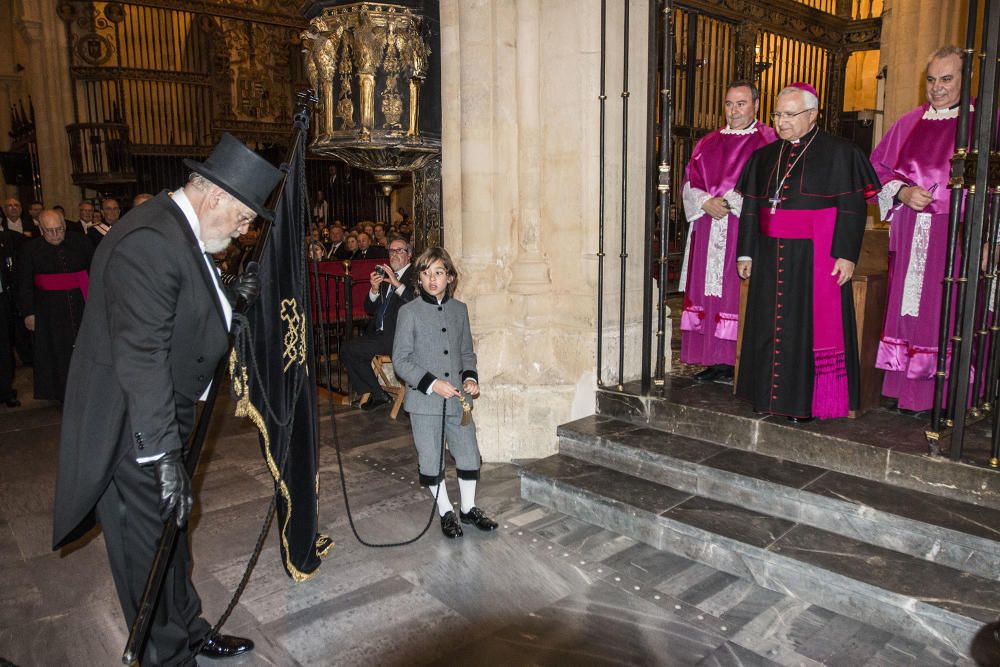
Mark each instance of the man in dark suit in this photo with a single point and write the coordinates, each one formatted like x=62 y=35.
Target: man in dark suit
x=390 y=288
x=368 y=251
x=155 y=326
x=338 y=249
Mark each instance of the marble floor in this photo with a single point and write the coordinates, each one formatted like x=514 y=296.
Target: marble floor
x=545 y=589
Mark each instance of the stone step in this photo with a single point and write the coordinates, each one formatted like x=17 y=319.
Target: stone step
x=894 y=591
x=948 y=532
x=881 y=445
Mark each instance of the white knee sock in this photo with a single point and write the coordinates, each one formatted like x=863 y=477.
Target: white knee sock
x=467 y=487
x=444 y=504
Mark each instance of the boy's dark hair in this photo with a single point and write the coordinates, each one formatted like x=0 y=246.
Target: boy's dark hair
x=431 y=255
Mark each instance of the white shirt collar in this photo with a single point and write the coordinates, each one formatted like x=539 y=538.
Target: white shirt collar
x=402 y=271
x=187 y=208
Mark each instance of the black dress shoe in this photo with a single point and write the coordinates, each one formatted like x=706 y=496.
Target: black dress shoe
x=225 y=646
x=725 y=372
x=377 y=400
x=478 y=519
x=800 y=420
x=12 y=403
x=450 y=526
x=707 y=375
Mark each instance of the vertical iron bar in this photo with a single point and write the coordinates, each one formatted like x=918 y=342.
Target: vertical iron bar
x=691 y=54
x=993 y=296
x=665 y=181
x=976 y=199
x=955 y=212
x=602 y=99
x=649 y=198
x=623 y=255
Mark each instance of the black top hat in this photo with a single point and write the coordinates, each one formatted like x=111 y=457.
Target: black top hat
x=240 y=172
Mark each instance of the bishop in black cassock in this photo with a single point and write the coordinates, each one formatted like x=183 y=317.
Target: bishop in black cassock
x=53 y=277
x=800 y=236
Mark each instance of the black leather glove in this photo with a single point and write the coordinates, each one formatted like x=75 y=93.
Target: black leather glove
x=248 y=286
x=176 y=496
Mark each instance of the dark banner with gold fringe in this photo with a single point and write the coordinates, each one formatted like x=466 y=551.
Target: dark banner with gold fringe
x=273 y=376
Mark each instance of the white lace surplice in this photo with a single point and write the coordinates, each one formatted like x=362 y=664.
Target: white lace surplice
x=693 y=198
x=913 y=284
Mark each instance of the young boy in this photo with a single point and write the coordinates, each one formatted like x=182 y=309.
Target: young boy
x=431 y=351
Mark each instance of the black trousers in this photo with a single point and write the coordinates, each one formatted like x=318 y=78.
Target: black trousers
x=129 y=516
x=357 y=355
x=22 y=339
x=6 y=348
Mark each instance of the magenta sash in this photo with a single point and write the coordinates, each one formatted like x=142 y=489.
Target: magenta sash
x=830 y=398
x=61 y=282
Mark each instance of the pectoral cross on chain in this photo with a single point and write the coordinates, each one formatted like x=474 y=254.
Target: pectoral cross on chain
x=774 y=201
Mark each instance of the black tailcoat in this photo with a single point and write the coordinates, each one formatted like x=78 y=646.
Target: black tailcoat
x=153 y=331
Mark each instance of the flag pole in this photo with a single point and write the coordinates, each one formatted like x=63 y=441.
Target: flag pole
x=139 y=632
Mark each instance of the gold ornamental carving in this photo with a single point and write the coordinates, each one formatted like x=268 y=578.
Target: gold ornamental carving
x=367 y=62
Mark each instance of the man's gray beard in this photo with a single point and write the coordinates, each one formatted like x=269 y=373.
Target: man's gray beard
x=213 y=246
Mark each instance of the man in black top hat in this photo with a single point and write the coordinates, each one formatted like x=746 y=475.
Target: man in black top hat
x=156 y=324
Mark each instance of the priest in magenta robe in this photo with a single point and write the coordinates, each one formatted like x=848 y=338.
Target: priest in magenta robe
x=913 y=160
x=801 y=227
x=709 y=322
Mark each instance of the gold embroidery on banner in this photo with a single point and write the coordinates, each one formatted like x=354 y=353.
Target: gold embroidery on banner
x=295 y=333
x=245 y=408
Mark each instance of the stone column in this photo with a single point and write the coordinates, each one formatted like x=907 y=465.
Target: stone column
x=48 y=83
x=530 y=271
x=520 y=83
x=10 y=81
x=911 y=30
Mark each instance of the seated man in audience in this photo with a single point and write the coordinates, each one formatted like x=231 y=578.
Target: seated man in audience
x=338 y=248
x=368 y=251
x=390 y=288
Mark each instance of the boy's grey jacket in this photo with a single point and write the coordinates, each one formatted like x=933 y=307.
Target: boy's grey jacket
x=433 y=341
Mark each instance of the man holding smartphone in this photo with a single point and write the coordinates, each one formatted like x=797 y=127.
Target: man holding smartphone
x=391 y=287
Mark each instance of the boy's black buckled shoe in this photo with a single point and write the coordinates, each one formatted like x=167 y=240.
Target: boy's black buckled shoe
x=478 y=519
x=450 y=526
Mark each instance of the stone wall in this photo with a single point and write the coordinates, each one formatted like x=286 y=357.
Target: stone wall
x=520 y=87
x=37 y=42
x=911 y=30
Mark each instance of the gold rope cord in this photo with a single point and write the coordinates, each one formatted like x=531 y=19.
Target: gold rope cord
x=245 y=408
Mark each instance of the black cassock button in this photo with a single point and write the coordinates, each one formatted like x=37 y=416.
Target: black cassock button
x=446 y=351
x=444 y=329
